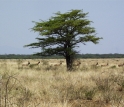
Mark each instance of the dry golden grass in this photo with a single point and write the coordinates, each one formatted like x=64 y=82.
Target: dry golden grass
x=52 y=86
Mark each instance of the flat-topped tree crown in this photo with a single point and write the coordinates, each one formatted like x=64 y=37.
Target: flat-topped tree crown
x=61 y=34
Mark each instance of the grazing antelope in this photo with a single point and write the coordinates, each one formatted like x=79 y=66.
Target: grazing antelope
x=94 y=66
x=26 y=63
x=104 y=65
x=58 y=64
x=35 y=64
x=120 y=65
x=77 y=64
x=97 y=64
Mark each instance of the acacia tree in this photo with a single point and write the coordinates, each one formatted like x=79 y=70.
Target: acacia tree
x=61 y=34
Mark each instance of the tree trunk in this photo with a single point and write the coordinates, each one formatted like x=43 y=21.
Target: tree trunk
x=69 y=63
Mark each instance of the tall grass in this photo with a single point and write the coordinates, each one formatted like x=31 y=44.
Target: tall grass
x=47 y=86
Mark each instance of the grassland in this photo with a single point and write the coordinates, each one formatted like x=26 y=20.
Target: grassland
x=44 y=85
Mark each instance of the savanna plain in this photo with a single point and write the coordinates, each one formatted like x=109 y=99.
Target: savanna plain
x=46 y=83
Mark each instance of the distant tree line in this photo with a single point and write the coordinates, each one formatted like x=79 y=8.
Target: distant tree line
x=81 y=56
x=100 y=56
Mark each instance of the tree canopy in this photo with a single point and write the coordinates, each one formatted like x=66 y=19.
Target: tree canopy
x=62 y=33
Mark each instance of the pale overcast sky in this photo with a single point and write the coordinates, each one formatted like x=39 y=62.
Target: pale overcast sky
x=16 y=18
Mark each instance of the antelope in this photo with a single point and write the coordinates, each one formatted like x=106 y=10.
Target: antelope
x=104 y=65
x=96 y=64
x=36 y=63
x=58 y=64
x=120 y=65
x=77 y=64
x=26 y=63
